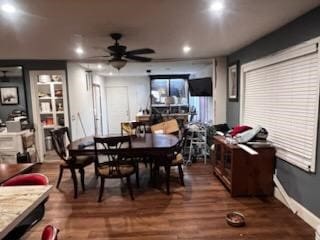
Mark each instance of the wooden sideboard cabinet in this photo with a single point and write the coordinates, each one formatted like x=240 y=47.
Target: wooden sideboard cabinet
x=244 y=174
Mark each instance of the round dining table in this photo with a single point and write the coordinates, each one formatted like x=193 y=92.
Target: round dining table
x=154 y=147
x=145 y=144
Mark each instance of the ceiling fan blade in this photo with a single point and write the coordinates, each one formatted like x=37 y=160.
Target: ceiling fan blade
x=137 y=58
x=100 y=56
x=141 y=51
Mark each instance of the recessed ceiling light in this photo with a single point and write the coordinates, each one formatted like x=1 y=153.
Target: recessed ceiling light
x=186 y=49
x=99 y=66
x=217 y=6
x=79 y=51
x=110 y=73
x=8 y=8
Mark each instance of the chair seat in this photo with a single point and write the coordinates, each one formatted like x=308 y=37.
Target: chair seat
x=27 y=179
x=50 y=233
x=108 y=171
x=178 y=160
x=81 y=161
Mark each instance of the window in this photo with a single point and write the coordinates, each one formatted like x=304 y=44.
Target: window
x=203 y=107
x=281 y=93
x=159 y=90
x=175 y=86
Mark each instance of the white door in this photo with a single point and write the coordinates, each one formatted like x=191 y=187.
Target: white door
x=117 y=108
x=97 y=110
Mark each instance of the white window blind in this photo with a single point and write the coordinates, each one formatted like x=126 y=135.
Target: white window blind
x=281 y=93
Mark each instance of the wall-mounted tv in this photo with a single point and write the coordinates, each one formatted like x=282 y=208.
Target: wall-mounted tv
x=200 y=87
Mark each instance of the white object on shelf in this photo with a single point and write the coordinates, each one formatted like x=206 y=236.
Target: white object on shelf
x=45 y=107
x=44 y=78
x=49 y=126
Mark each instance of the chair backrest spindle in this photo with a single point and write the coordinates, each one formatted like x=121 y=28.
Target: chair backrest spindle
x=59 y=139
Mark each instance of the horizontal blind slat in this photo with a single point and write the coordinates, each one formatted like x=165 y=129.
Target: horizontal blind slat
x=282 y=97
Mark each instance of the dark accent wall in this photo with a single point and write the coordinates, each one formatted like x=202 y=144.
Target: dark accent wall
x=29 y=65
x=302 y=186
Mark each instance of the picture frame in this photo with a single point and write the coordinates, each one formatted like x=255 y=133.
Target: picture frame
x=233 y=81
x=9 y=95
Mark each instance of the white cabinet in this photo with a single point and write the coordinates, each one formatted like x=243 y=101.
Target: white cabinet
x=10 y=145
x=49 y=104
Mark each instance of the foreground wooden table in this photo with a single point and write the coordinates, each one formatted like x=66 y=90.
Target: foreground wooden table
x=8 y=171
x=18 y=202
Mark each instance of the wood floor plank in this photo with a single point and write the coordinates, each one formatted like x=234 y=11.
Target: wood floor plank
x=196 y=211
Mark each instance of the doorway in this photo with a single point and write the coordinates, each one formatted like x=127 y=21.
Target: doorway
x=117 y=108
x=97 y=109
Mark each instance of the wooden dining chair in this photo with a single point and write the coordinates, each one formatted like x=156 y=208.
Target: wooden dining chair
x=112 y=161
x=50 y=233
x=135 y=128
x=174 y=159
x=61 y=139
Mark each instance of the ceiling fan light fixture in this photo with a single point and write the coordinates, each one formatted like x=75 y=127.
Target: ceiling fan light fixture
x=118 y=63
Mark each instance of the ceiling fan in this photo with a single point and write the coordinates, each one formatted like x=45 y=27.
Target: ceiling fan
x=119 y=55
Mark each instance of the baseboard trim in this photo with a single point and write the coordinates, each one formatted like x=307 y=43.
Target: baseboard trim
x=299 y=210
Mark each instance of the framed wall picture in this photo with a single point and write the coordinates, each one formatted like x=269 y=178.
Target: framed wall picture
x=233 y=81
x=9 y=95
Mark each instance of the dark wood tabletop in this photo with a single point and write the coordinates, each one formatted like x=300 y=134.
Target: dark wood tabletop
x=147 y=144
x=8 y=171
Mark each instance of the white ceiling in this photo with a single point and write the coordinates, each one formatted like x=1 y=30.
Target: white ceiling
x=192 y=67
x=51 y=29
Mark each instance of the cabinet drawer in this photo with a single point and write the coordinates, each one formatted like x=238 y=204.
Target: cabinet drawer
x=8 y=158
x=6 y=143
x=11 y=143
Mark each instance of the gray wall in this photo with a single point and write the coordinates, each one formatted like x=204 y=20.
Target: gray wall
x=302 y=186
x=29 y=65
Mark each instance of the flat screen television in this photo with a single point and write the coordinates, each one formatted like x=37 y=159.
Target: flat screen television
x=200 y=87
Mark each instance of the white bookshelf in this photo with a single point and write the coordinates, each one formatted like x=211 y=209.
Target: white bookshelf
x=49 y=104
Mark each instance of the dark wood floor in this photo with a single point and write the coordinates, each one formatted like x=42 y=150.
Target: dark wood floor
x=194 y=212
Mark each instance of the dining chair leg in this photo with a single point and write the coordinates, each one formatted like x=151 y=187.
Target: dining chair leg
x=130 y=187
x=137 y=175
x=156 y=175
x=145 y=161
x=75 y=182
x=96 y=171
x=81 y=171
x=60 y=176
x=101 y=188
x=151 y=173
x=167 y=168
x=181 y=174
